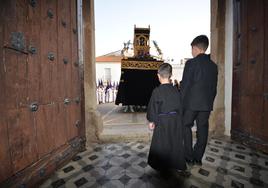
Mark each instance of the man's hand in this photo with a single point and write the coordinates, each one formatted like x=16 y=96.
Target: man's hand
x=151 y=126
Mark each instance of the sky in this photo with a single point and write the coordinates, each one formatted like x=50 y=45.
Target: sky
x=173 y=23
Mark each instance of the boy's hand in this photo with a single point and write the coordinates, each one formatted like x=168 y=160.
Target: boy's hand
x=151 y=126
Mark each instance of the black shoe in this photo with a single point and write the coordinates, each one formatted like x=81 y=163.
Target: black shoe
x=190 y=163
x=198 y=162
x=183 y=173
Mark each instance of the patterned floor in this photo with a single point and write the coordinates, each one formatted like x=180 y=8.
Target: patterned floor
x=225 y=164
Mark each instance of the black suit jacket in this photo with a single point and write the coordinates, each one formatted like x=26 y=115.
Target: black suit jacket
x=199 y=83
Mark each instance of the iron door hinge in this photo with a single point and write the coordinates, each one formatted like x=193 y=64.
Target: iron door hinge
x=17 y=42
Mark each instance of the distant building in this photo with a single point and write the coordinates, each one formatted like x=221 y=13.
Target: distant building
x=108 y=67
x=178 y=69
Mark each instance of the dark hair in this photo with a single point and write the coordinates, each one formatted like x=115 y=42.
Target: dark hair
x=165 y=70
x=201 y=42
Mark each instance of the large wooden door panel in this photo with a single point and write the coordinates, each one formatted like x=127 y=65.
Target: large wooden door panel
x=249 y=107
x=40 y=99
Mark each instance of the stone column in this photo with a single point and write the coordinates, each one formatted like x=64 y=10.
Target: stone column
x=229 y=21
x=93 y=122
x=218 y=8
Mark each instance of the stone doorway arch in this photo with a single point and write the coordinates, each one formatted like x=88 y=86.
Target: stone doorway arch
x=93 y=121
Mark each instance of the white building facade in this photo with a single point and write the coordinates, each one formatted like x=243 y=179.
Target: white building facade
x=177 y=69
x=108 y=67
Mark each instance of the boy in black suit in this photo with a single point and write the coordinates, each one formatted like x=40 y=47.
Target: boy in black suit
x=198 y=91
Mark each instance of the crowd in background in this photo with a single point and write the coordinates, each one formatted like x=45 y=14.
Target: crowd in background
x=106 y=91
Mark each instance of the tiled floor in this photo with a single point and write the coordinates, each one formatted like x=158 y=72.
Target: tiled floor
x=225 y=164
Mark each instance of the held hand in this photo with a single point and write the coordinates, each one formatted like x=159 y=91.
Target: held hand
x=151 y=126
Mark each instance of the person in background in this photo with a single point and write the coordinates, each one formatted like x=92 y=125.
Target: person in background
x=176 y=83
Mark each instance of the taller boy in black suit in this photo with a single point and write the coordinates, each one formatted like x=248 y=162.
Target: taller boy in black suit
x=198 y=91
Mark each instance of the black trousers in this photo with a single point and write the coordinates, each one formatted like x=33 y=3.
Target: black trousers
x=201 y=117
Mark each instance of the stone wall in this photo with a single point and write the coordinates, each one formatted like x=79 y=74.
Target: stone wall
x=218 y=8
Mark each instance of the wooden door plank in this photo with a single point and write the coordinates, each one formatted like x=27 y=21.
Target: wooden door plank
x=244 y=49
x=255 y=47
x=73 y=112
x=265 y=113
x=67 y=46
x=10 y=61
x=2 y=66
x=6 y=168
x=76 y=87
x=255 y=66
x=59 y=124
x=239 y=70
x=57 y=83
x=48 y=42
x=64 y=51
x=64 y=69
x=34 y=59
x=21 y=134
x=236 y=86
x=22 y=74
x=236 y=110
x=244 y=128
x=76 y=80
x=45 y=129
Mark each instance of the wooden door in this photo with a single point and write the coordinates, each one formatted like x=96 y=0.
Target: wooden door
x=250 y=73
x=40 y=96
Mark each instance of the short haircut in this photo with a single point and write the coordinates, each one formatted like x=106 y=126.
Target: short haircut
x=201 y=42
x=165 y=70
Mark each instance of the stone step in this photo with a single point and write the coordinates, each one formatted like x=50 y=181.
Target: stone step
x=125 y=132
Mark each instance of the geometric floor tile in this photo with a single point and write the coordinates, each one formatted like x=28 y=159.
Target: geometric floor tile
x=225 y=164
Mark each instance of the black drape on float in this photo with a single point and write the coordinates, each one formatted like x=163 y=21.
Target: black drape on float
x=136 y=84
